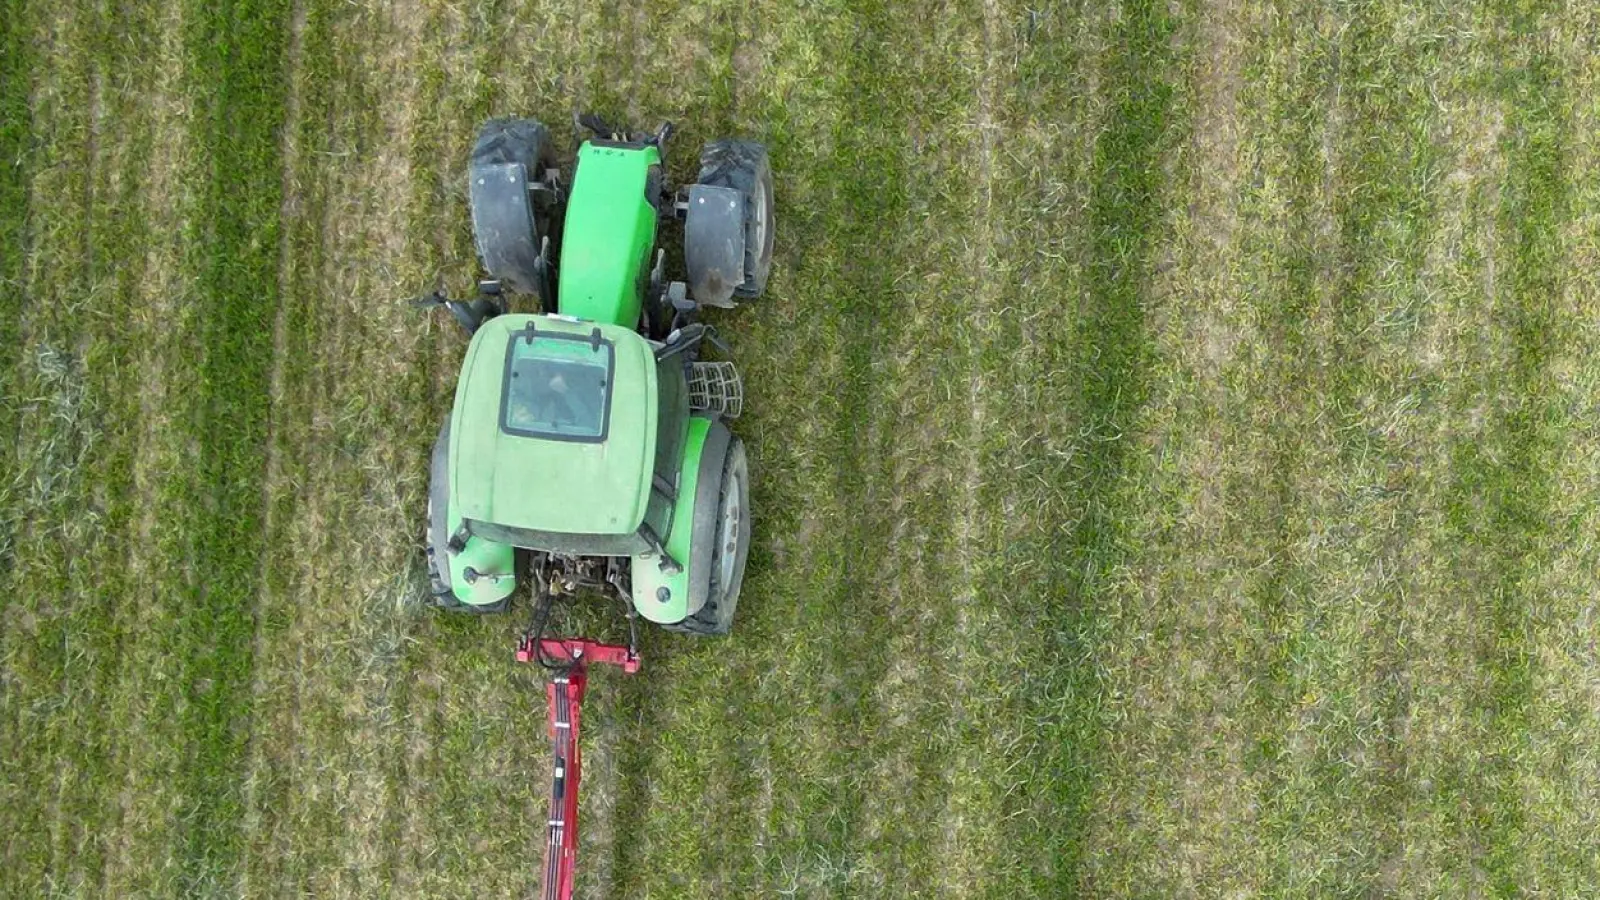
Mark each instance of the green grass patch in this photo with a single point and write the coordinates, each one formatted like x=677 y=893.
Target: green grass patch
x=52 y=430
x=1062 y=586
x=1505 y=491
x=1347 y=313
x=16 y=137
x=71 y=498
x=235 y=63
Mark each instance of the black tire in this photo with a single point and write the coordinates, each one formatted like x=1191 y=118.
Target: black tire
x=730 y=552
x=506 y=248
x=439 y=590
x=744 y=167
x=511 y=140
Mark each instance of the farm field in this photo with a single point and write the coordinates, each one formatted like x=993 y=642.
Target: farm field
x=1175 y=434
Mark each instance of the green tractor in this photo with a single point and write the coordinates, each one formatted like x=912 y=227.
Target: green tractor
x=588 y=445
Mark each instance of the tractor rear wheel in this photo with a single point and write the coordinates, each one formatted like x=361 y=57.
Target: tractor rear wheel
x=744 y=167
x=435 y=542
x=439 y=591
x=507 y=226
x=730 y=553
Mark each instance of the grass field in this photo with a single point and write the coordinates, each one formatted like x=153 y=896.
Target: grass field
x=1174 y=425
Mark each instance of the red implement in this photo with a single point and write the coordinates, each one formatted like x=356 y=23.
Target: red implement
x=565 y=693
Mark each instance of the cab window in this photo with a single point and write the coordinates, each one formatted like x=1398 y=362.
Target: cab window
x=558 y=386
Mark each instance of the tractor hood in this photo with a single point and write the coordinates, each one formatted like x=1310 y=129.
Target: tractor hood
x=554 y=427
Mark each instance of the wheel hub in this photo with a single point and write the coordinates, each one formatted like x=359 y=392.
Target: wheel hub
x=732 y=518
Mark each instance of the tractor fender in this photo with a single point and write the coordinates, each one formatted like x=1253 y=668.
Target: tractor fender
x=438 y=513
x=503 y=225
x=493 y=565
x=713 y=244
x=694 y=528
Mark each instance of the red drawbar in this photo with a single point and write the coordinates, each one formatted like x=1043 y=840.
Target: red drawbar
x=565 y=693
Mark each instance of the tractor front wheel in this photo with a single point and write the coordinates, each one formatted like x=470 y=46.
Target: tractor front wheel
x=743 y=166
x=509 y=158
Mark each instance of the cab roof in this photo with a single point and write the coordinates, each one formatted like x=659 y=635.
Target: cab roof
x=554 y=426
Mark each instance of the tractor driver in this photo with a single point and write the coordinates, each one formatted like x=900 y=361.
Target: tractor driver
x=551 y=402
x=555 y=403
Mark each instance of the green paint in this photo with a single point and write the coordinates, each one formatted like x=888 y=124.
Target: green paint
x=608 y=234
x=494 y=565
x=647 y=575
x=576 y=488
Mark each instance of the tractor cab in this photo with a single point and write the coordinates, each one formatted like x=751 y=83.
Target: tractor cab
x=567 y=437
x=555 y=430
x=558 y=427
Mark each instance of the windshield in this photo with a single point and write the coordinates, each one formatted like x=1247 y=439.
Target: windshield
x=557 y=386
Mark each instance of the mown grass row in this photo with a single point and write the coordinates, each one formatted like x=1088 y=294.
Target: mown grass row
x=1505 y=493
x=342 y=369
x=847 y=622
x=270 y=859
x=79 y=713
x=16 y=139
x=57 y=648
x=1358 y=223
x=1084 y=240
x=235 y=76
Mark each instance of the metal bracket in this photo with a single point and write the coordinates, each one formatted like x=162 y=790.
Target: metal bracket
x=578 y=651
x=458 y=540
